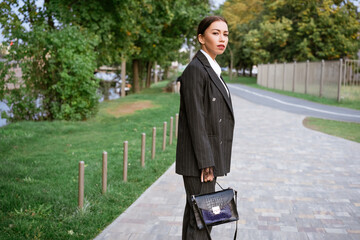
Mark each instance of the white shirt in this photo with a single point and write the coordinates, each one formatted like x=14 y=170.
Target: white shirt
x=217 y=69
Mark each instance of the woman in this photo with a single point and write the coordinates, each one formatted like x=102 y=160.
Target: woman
x=206 y=121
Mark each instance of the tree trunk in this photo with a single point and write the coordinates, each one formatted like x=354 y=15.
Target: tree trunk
x=155 y=72
x=123 y=77
x=136 y=75
x=141 y=75
x=148 y=77
x=166 y=73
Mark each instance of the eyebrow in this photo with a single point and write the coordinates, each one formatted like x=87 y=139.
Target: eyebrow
x=218 y=30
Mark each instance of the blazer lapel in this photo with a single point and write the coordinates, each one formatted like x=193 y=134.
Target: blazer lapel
x=229 y=96
x=215 y=79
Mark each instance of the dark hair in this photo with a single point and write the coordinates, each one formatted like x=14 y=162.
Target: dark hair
x=206 y=22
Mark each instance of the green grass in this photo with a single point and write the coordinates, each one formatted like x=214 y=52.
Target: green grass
x=347 y=130
x=351 y=95
x=39 y=169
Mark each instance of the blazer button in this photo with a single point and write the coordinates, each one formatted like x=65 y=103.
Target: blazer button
x=220 y=142
x=220 y=120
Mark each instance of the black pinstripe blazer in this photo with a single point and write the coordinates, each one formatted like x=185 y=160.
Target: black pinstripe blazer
x=206 y=121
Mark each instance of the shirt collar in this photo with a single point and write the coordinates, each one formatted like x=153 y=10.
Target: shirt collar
x=214 y=65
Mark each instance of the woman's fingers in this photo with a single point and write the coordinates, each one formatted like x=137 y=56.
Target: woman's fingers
x=207 y=174
x=210 y=175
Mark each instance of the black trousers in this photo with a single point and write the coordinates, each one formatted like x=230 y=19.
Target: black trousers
x=194 y=186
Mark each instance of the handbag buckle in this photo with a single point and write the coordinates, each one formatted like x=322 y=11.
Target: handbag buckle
x=216 y=210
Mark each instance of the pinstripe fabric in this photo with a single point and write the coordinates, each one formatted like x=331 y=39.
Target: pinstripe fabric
x=206 y=121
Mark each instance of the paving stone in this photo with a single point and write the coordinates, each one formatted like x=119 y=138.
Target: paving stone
x=288 y=229
x=336 y=230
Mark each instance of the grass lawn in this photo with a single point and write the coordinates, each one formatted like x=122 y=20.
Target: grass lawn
x=347 y=130
x=39 y=167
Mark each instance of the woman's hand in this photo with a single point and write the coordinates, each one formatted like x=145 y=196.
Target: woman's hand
x=207 y=174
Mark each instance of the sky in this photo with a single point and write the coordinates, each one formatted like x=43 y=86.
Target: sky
x=217 y=3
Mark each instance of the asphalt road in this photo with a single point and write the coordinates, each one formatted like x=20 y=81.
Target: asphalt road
x=294 y=105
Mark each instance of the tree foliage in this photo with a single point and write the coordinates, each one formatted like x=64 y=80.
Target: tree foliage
x=66 y=40
x=279 y=30
x=112 y=21
x=164 y=26
x=57 y=67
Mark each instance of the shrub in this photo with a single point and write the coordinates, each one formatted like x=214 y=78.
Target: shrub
x=57 y=75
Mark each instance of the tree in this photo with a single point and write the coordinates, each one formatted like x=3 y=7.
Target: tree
x=320 y=29
x=242 y=17
x=164 y=26
x=57 y=66
x=268 y=43
x=66 y=40
x=113 y=21
x=296 y=30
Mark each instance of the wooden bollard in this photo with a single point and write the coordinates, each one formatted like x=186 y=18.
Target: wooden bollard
x=164 y=137
x=176 y=125
x=153 y=149
x=143 y=139
x=125 y=161
x=104 y=172
x=81 y=185
x=171 y=130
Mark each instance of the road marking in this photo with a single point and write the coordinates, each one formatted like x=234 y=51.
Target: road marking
x=295 y=105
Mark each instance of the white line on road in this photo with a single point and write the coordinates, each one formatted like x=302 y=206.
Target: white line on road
x=295 y=105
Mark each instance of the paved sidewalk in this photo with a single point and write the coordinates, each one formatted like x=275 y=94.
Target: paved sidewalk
x=293 y=183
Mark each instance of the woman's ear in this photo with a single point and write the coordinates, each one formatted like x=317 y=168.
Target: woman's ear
x=201 y=39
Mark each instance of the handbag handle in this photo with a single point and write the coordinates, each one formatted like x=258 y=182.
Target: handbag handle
x=220 y=185
x=235 y=234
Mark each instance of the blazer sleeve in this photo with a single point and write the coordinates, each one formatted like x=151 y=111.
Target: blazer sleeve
x=193 y=87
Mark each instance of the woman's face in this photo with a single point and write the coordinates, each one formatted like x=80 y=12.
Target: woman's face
x=215 y=38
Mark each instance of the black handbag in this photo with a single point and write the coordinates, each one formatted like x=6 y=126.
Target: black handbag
x=215 y=208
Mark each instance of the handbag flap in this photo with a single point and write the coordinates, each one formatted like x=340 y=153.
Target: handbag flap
x=211 y=202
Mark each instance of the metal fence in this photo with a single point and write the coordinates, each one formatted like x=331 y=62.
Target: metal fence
x=316 y=78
